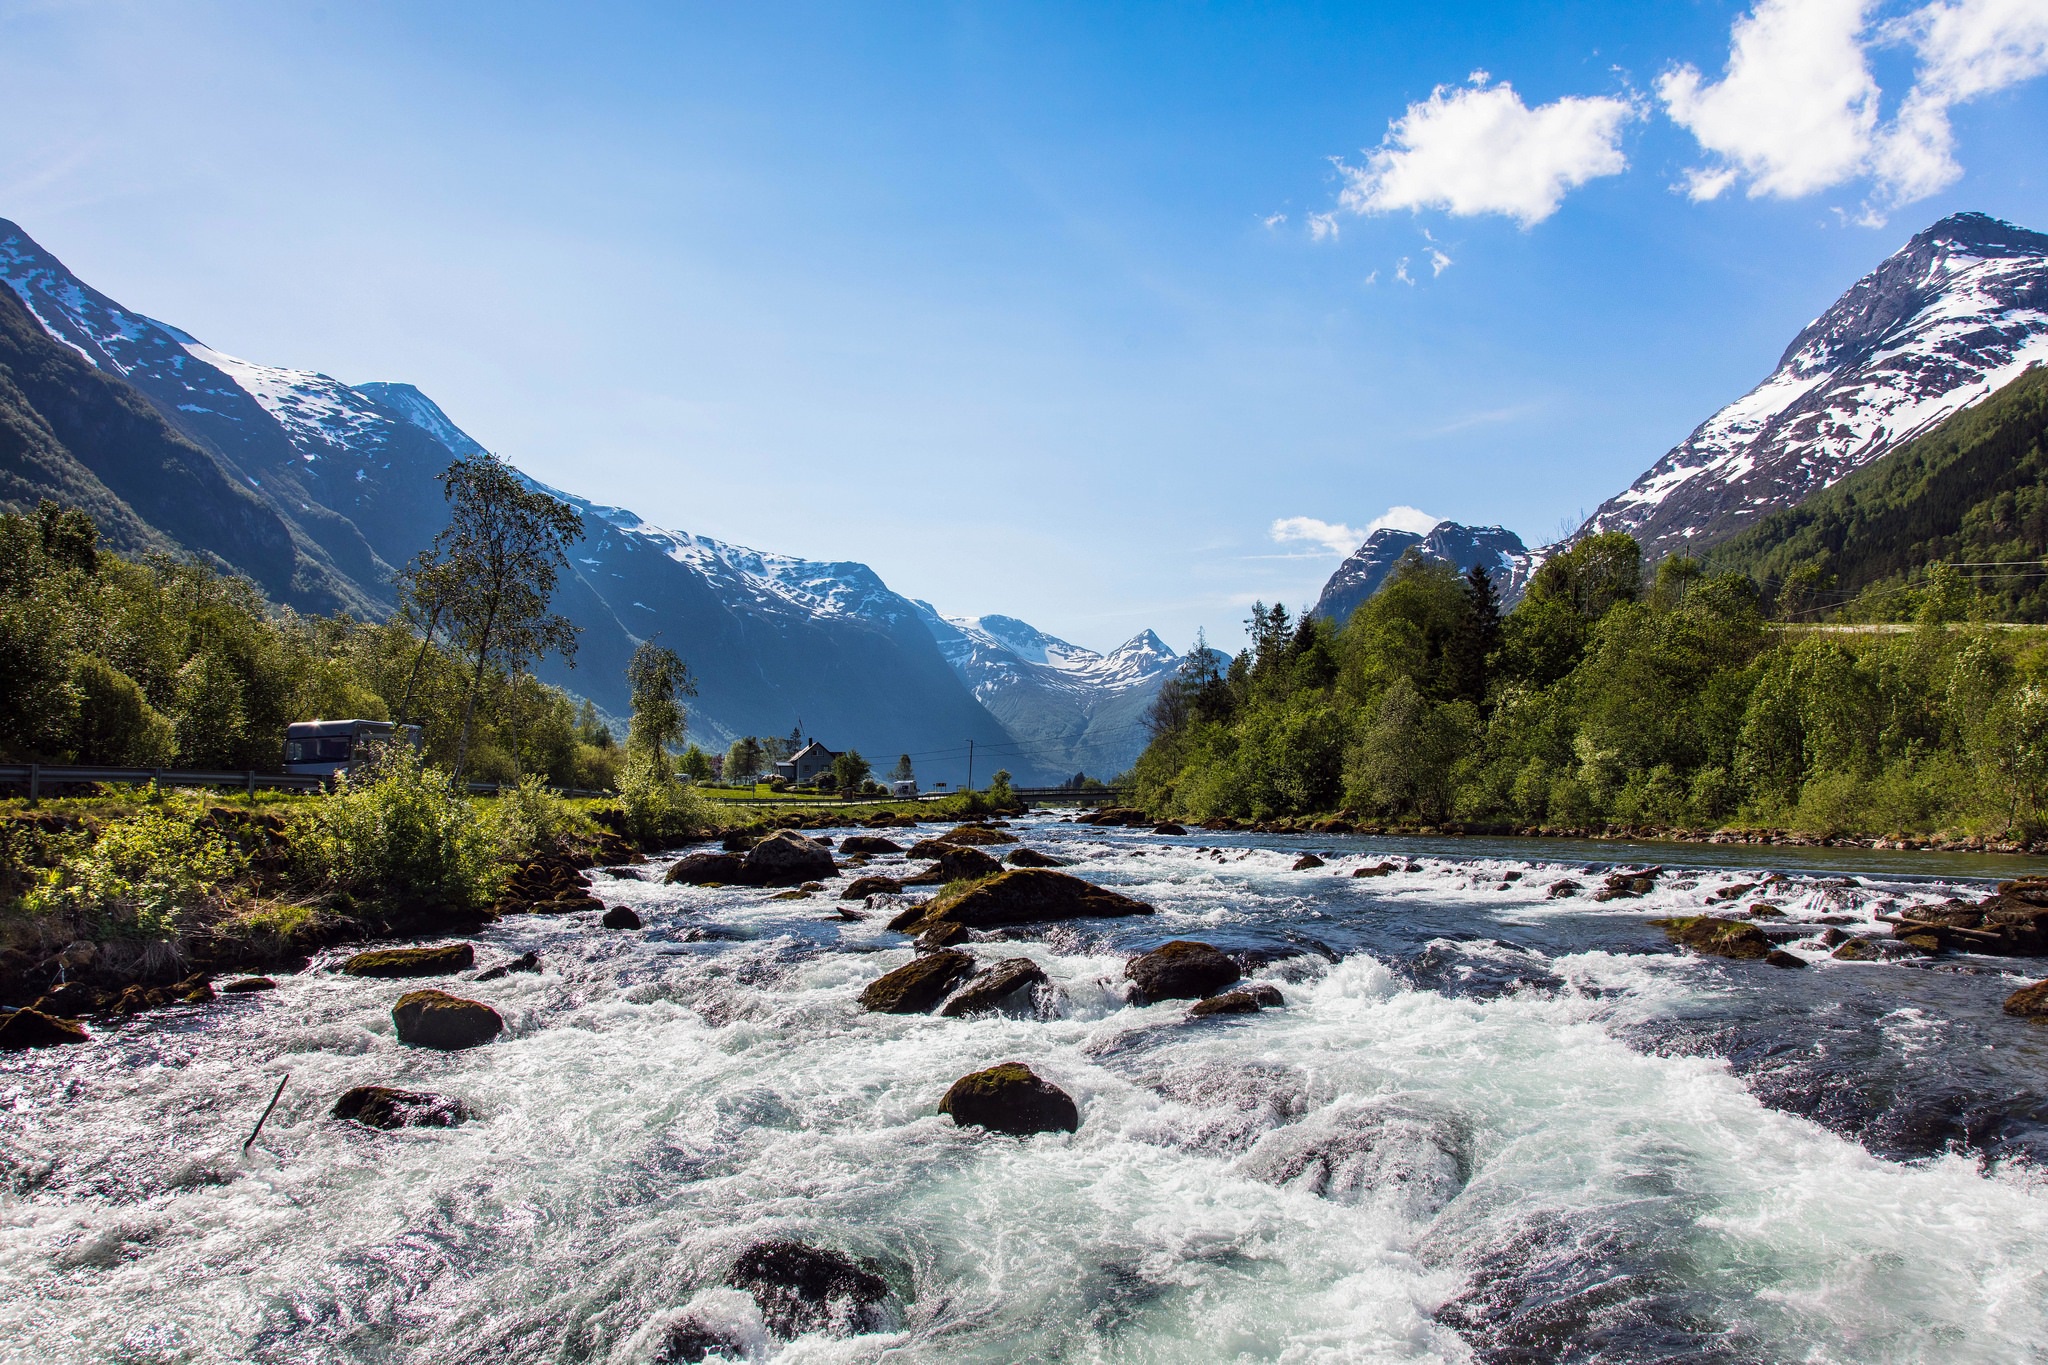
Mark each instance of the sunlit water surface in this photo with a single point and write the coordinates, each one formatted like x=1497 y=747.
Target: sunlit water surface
x=1576 y=1145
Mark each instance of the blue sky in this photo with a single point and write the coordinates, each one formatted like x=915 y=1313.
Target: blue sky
x=1051 y=311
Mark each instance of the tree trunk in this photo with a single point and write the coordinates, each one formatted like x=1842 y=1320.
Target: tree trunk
x=426 y=640
x=476 y=677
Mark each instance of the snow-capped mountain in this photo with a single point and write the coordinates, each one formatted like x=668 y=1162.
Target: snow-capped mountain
x=318 y=490
x=1958 y=312
x=1067 y=708
x=1508 y=562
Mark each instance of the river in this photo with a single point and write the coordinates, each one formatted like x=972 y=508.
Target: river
x=1547 y=1136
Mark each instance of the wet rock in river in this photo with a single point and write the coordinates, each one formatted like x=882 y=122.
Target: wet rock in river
x=971 y=835
x=1009 y=986
x=869 y=843
x=1717 y=937
x=1563 y=888
x=1627 y=885
x=446 y=1022
x=380 y=1106
x=1028 y=895
x=860 y=888
x=2029 y=1002
x=1376 y=870
x=804 y=1289
x=26 y=1028
x=1168 y=827
x=706 y=869
x=1856 y=950
x=1408 y=1155
x=71 y=998
x=621 y=917
x=1010 y=1098
x=943 y=935
x=244 y=985
x=1181 y=970
x=917 y=986
x=525 y=962
x=1307 y=861
x=955 y=863
x=1031 y=857
x=397 y=962
x=1778 y=957
x=786 y=858
x=1244 y=1000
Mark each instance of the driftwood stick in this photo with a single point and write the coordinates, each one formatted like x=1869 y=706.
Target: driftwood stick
x=1941 y=928
x=274 y=1098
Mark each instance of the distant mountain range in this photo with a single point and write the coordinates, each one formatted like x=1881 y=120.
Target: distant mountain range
x=1949 y=319
x=318 y=490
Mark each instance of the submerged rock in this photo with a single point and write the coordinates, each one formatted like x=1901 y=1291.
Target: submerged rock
x=1378 y=870
x=26 y=1028
x=380 y=1106
x=1028 y=895
x=808 y=1289
x=1031 y=857
x=786 y=858
x=1245 y=1000
x=525 y=962
x=437 y=1019
x=1181 y=970
x=999 y=988
x=1717 y=937
x=620 y=917
x=1010 y=1098
x=391 y=962
x=1408 y=1155
x=1778 y=957
x=918 y=985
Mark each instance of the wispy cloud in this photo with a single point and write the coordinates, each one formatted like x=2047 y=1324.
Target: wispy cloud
x=1335 y=538
x=1322 y=227
x=1273 y=220
x=1438 y=262
x=1477 y=149
x=1402 y=517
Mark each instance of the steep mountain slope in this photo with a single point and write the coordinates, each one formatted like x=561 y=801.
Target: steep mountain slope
x=1956 y=314
x=1974 y=491
x=335 y=486
x=1066 y=708
x=1508 y=561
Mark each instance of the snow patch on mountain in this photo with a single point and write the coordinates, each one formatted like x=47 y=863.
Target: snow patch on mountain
x=1508 y=562
x=991 y=653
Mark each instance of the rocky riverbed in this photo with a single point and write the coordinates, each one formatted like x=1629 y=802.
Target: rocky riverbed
x=1375 y=1099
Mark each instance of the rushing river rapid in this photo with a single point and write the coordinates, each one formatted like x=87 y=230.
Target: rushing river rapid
x=1486 y=1125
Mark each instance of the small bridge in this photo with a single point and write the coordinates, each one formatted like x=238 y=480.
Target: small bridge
x=1073 y=796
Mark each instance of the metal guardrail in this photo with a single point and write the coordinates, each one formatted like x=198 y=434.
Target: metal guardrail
x=35 y=775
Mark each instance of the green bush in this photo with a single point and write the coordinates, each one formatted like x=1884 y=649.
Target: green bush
x=527 y=818
x=397 y=828
x=658 y=809
x=150 y=875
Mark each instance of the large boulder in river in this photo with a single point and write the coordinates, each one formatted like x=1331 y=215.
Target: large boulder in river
x=1717 y=937
x=445 y=960
x=380 y=1106
x=786 y=858
x=860 y=888
x=869 y=843
x=1031 y=857
x=1030 y=895
x=1010 y=1098
x=706 y=869
x=803 y=1289
x=437 y=1019
x=1181 y=970
x=955 y=865
x=26 y=1028
x=917 y=986
x=1001 y=987
x=976 y=834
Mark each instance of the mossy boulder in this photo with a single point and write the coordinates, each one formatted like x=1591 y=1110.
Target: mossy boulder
x=446 y=1022
x=1010 y=1098
x=1717 y=937
x=976 y=834
x=786 y=858
x=1181 y=970
x=381 y=1106
x=860 y=888
x=1856 y=950
x=1031 y=857
x=445 y=960
x=2029 y=1002
x=245 y=985
x=1001 y=988
x=27 y=1028
x=918 y=985
x=1030 y=895
x=955 y=864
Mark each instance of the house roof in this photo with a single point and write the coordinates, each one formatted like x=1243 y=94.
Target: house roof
x=822 y=751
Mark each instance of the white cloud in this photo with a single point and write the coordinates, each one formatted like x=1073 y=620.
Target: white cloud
x=1437 y=261
x=1401 y=517
x=1967 y=48
x=1796 y=109
x=1337 y=539
x=1478 y=149
x=1274 y=220
x=1322 y=225
x=1401 y=271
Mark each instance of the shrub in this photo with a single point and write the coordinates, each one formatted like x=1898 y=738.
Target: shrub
x=527 y=818
x=658 y=809
x=398 y=828
x=147 y=876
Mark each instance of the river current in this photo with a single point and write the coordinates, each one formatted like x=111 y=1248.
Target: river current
x=1486 y=1125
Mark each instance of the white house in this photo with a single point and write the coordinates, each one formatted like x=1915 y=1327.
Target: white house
x=806 y=763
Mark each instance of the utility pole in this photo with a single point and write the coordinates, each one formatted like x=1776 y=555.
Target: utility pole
x=970 y=765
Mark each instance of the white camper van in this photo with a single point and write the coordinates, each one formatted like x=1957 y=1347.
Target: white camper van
x=324 y=748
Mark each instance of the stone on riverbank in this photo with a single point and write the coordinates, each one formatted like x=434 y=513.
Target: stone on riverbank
x=1717 y=937
x=1029 y=895
x=445 y=960
x=446 y=1022
x=803 y=1289
x=1010 y=1098
x=917 y=986
x=999 y=988
x=26 y=1028
x=1181 y=970
x=380 y=1106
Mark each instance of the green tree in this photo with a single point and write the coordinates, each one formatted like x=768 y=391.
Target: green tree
x=902 y=772
x=696 y=764
x=851 y=770
x=743 y=760
x=660 y=680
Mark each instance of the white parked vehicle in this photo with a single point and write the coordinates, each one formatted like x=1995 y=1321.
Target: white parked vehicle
x=325 y=748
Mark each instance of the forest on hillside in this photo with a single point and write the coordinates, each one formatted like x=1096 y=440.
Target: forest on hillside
x=1608 y=697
